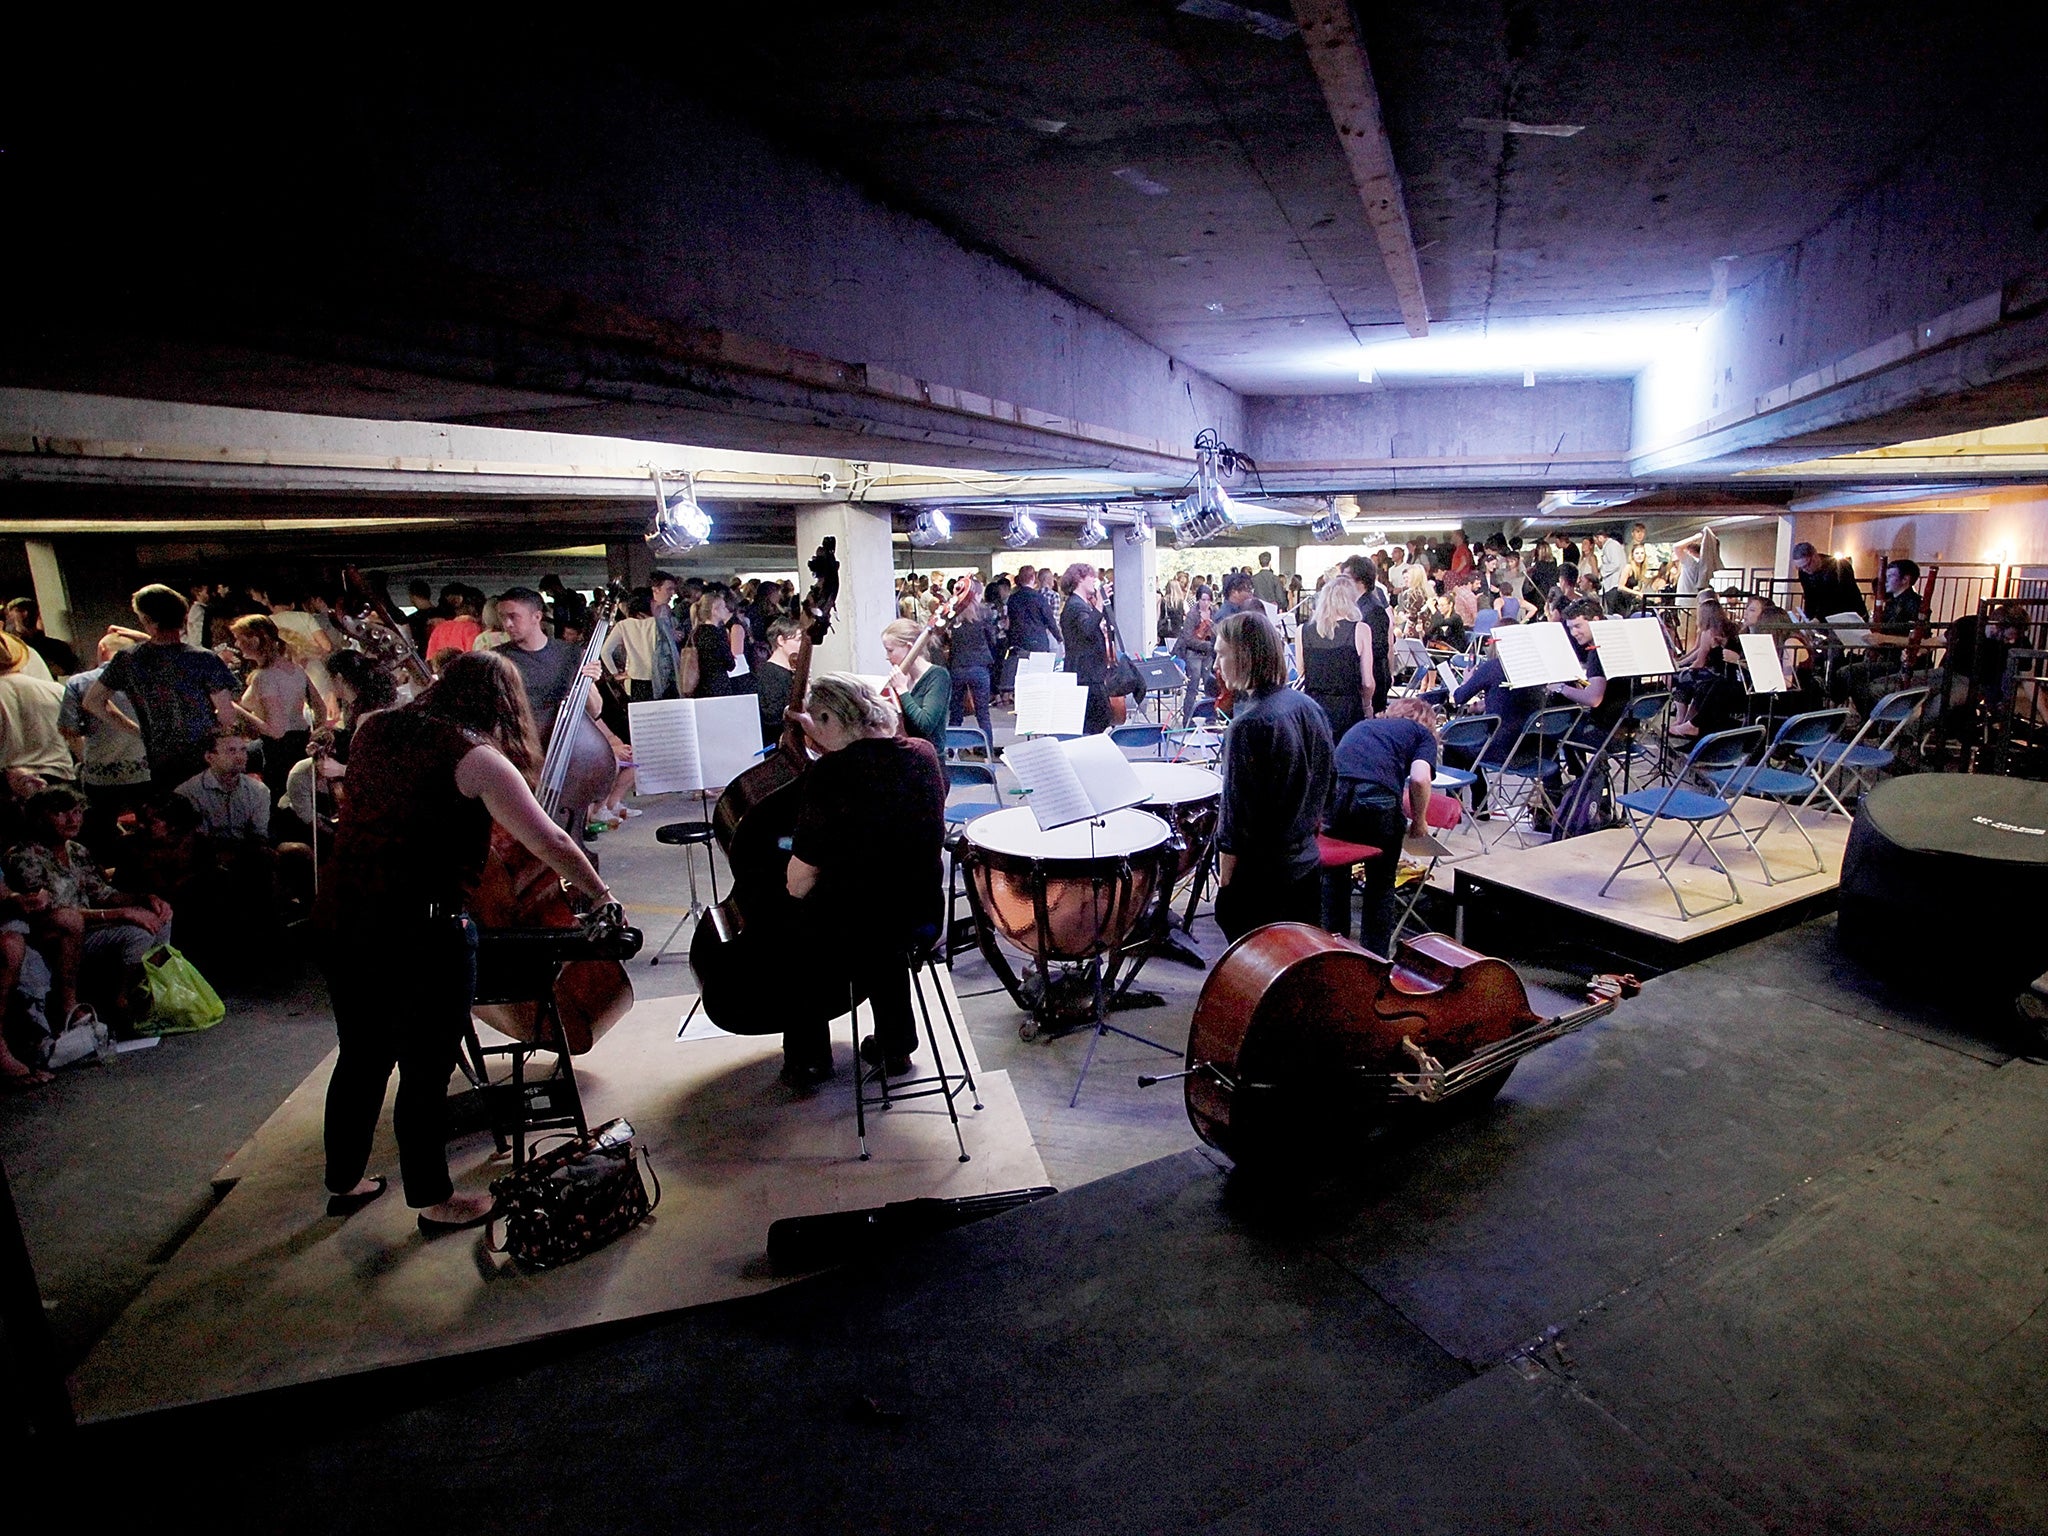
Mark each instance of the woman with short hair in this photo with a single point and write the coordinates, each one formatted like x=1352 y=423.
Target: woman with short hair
x=1276 y=782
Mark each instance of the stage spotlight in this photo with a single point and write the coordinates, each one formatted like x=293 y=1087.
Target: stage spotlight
x=929 y=528
x=1092 y=531
x=1022 y=530
x=679 y=523
x=1140 y=531
x=1330 y=525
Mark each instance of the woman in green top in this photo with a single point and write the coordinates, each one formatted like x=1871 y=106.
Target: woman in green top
x=922 y=688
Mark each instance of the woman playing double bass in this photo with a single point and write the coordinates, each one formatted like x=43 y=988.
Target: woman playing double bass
x=426 y=780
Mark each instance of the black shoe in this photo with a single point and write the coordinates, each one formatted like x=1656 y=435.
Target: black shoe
x=804 y=1076
x=430 y=1228
x=894 y=1066
x=348 y=1205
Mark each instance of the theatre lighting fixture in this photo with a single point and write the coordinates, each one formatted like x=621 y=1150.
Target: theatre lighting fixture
x=1330 y=525
x=1022 y=530
x=1209 y=511
x=1140 y=531
x=679 y=523
x=1092 y=531
x=929 y=528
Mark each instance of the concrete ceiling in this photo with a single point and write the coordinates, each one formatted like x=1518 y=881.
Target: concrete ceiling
x=1182 y=175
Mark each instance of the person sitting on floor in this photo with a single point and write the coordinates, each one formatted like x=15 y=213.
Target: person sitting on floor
x=233 y=804
x=93 y=936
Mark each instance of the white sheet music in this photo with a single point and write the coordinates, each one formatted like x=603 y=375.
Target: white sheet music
x=1632 y=648
x=1535 y=655
x=1446 y=676
x=1069 y=781
x=1850 y=629
x=1033 y=663
x=692 y=744
x=1766 y=667
x=1050 y=704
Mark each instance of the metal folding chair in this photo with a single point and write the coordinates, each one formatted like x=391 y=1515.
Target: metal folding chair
x=1469 y=734
x=966 y=738
x=1693 y=808
x=958 y=934
x=1518 y=783
x=1832 y=760
x=1139 y=738
x=1445 y=813
x=1799 y=736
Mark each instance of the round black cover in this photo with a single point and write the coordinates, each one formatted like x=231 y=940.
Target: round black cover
x=1943 y=880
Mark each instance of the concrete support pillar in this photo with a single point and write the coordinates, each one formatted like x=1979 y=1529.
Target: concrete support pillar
x=867 y=582
x=1288 y=562
x=629 y=562
x=1815 y=528
x=53 y=596
x=1137 y=592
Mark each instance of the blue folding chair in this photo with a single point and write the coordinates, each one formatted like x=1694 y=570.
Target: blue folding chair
x=1140 y=737
x=1519 y=783
x=1469 y=734
x=966 y=738
x=1802 y=735
x=969 y=776
x=1721 y=752
x=1834 y=759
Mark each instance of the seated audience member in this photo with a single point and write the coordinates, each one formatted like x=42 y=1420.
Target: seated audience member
x=233 y=804
x=92 y=936
x=24 y=1024
x=1384 y=768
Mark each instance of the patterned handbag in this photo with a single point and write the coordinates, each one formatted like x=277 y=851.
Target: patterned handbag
x=572 y=1199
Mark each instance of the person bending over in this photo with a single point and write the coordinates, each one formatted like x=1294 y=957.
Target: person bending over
x=425 y=782
x=1384 y=769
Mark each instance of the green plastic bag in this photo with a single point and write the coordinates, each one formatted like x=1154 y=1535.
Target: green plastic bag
x=180 y=1000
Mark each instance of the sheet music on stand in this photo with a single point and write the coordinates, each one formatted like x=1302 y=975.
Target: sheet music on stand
x=1069 y=781
x=1632 y=648
x=1050 y=704
x=693 y=744
x=1536 y=655
x=1037 y=664
x=1850 y=629
x=1765 y=667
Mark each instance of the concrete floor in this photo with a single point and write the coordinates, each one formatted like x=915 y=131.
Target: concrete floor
x=1764 y=1250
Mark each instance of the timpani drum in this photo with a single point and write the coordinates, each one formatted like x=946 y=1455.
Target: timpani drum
x=1069 y=895
x=1188 y=799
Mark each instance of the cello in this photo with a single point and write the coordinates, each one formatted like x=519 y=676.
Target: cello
x=1302 y=1040
x=739 y=952
x=519 y=892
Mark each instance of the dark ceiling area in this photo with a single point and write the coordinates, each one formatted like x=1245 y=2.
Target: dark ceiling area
x=1181 y=173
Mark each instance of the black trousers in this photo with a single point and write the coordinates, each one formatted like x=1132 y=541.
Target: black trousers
x=1257 y=896
x=402 y=995
x=875 y=971
x=1378 y=821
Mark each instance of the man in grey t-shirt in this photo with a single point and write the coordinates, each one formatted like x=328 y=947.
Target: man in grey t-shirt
x=548 y=666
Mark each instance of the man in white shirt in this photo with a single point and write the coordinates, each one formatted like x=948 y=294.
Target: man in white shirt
x=1612 y=559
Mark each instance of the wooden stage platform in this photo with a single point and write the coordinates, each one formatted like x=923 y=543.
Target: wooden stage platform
x=1547 y=896
x=270 y=1292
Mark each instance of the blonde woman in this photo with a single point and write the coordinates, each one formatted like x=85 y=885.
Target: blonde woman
x=280 y=705
x=1415 y=600
x=1334 y=655
x=865 y=868
x=917 y=685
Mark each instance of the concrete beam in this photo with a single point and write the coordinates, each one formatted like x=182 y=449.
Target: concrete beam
x=1345 y=74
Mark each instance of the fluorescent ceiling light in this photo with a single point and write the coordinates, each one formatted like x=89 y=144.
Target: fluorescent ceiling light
x=1595 y=347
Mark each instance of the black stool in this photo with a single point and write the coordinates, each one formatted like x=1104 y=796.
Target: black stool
x=517 y=1108
x=687 y=835
x=922 y=959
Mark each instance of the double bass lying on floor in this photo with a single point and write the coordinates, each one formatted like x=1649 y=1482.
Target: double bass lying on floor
x=1301 y=1039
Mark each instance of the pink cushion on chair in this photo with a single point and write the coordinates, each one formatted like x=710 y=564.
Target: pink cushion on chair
x=1335 y=853
x=1444 y=811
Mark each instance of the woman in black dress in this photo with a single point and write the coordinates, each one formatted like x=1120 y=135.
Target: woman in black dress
x=1336 y=656
x=713 y=645
x=1087 y=649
